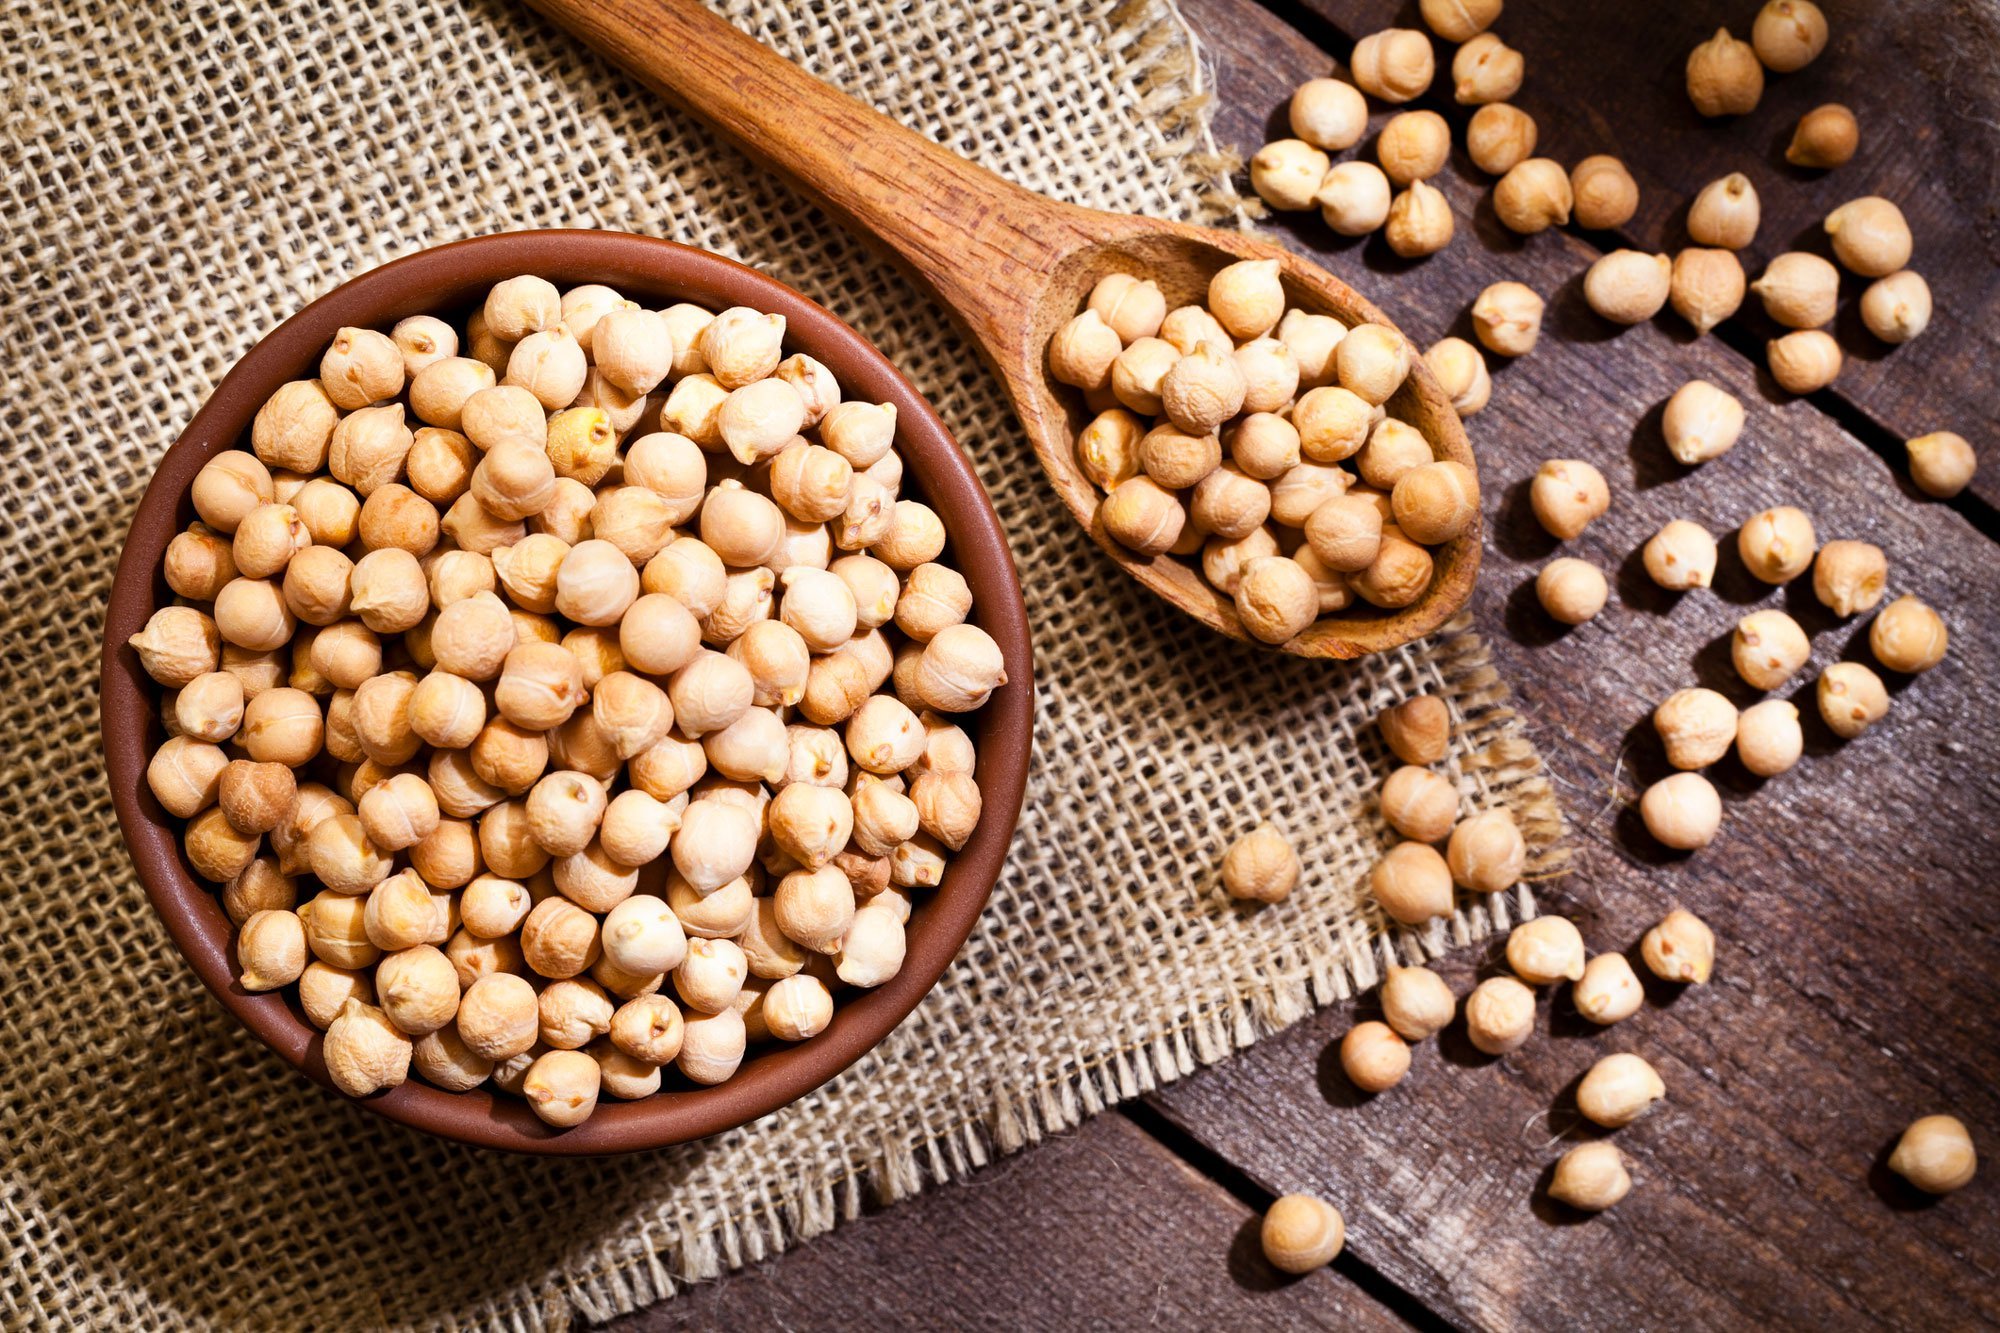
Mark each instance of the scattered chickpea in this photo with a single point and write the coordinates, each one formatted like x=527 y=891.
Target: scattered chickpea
x=1487 y=853
x=1412 y=146
x=1777 y=545
x=1696 y=726
x=1849 y=576
x=1851 y=698
x=1724 y=77
x=1591 y=1177
x=1500 y=137
x=1725 y=213
x=1908 y=636
x=1499 y=1015
x=1788 y=35
x=1354 y=198
x=1701 y=422
x=1935 y=1154
x=1769 y=740
x=1898 y=307
x=1418 y=730
x=1804 y=362
x=1286 y=174
x=1941 y=463
x=1870 y=236
x=1768 y=648
x=1706 y=286
x=1507 y=318
x=1420 y=222
x=1461 y=372
x=1486 y=70
x=1533 y=196
x=1301 y=1233
x=1682 y=811
x=1571 y=590
x=1328 y=114
x=1604 y=193
x=1799 y=290
x=1618 y=1090
x=1419 y=804
x=1827 y=137
x=1545 y=950
x=1412 y=883
x=1373 y=1057
x=1416 y=1003
x=1608 y=991
x=1394 y=65
x=1628 y=286
x=1681 y=948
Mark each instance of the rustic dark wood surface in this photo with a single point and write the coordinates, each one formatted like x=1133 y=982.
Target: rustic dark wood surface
x=1852 y=898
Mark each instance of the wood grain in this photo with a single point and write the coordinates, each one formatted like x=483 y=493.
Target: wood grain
x=1855 y=988
x=1610 y=79
x=1097 y=1229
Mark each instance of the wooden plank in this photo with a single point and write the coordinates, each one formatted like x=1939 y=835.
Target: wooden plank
x=1099 y=1228
x=1612 y=80
x=1855 y=988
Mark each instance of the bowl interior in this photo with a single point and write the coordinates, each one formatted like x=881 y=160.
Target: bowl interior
x=447 y=280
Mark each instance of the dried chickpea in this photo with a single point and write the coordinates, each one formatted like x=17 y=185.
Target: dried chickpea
x=1725 y=213
x=1200 y=391
x=1260 y=866
x=336 y=931
x=1681 y=948
x=1701 y=422
x=1328 y=113
x=1275 y=598
x=1354 y=198
x=198 y=563
x=1851 y=698
x=1897 y=308
x=1908 y=636
x=1435 y=502
x=1571 y=590
x=723 y=914
x=364 y=1053
x=1373 y=1057
x=712 y=1046
x=1682 y=811
x=1849 y=576
x=1412 y=146
x=1567 y=495
x=1416 y=1003
x=1724 y=77
x=1486 y=70
x=1804 y=362
x=1799 y=290
x=1499 y=1015
x=1628 y=286
x=270 y=950
x=1507 y=318
x=1545 y=950
x=1499 y=137
x=329 y=510
x=418 y=988
x=1420 y=222
x=1706 y=286
x=184 y=775
x=742 y=345
x=1487 y=853
x=1941 y=463
x=1935 y=1154
x=1419 y=804
x=1608 y=991
x=1533 y=196
x=324 y=989
x=1394 y=64
x=1777 y=545
x=282 y=726
x=1412 y=883
x=1398 y=575
x=1618 y=1090
x=1417 y=730
x=1300 y=1233
x=872 y=950
x=1373 y=361
x=1768 y=738
x=1461 y=372
x=1826 y=137
x=1696 y=726
x=1132 y=306
x=1870 y=236
x=1788 y=35
x=1603 y=192
x=1299 y=492
x=1081 y=352
x=1286 y=174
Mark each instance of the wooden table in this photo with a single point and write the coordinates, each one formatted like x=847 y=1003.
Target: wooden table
x=1854 y=899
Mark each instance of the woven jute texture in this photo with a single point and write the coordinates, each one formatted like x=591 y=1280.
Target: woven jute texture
x=177 y=178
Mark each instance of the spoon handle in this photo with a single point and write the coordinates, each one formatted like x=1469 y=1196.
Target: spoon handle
x=987 y=247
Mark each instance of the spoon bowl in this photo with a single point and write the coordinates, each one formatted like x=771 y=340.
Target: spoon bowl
x=1011 y=267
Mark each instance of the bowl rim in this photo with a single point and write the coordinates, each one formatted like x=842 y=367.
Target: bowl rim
x=444 y=278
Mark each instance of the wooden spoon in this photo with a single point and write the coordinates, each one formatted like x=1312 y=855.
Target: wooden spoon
x=1010 y=265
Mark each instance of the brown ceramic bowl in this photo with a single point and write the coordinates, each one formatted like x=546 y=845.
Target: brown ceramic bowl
x=449 y=279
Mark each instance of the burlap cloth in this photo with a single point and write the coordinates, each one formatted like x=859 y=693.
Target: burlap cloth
x=177 y=178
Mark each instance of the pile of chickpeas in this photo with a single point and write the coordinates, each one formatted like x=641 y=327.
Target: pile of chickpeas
x=568 y=707
x=1220 y=434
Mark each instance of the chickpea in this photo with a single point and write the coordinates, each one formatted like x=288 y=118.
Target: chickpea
x=1461 y=372
x=364 y=1053
x=712 y=1046
x=1533 y=196
x=1416 y=1003
x=1545 y=950
x=1724 y=77
x=1908 y=636
x=1590 y=1177
x=1778 y=544
x=1301 y=1233
x=1826 y=137
x=1768 y=738
x=1486 y=70
x=1804 y=362
x=1682 y=811
x=1394 y=65
x=1935 y=1154
x=1603 y=192
x=1572 y=591
x=1681 y=555
x=1897 y=308
x=1499 y=137
x=1849 y=576
x=1706 y=286
x=1286 y=174
x=1398 y=575
x=1851 y=698
x=1373 y=1057
x=1487 y=853
x=1260 y=866
x=1768 y=648
x=1499 y=1015
x=1420 y=222
x=1701 y=422
x=1354 y=198
x=872 y=950
x=1628 y=286
x=1417 y=730
x=1696 y=726
x=559 y=939
x=1941 y=463
x=1870 y=236
x=1328 y=114
x=1412 y=883
x=1608 y=991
